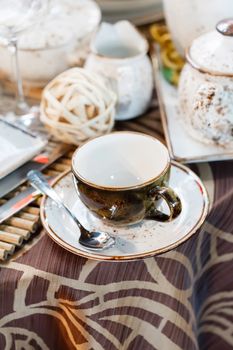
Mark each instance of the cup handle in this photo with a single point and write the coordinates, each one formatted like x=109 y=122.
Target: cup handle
x=172 y=200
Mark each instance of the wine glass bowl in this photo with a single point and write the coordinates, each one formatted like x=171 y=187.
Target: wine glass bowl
x=16 y=16
x=67 y=33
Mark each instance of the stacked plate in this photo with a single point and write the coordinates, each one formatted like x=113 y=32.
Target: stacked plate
x=17 y=147
x=137 y=11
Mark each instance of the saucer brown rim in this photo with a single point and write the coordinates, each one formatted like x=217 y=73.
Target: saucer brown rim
x=98 y=257
x=120 y=188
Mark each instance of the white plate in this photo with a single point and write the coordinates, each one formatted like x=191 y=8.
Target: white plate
x=145 y=239
x=16 y=148
x=137 y=12
x=137 y=19
x=127 y=5
x=181 y=145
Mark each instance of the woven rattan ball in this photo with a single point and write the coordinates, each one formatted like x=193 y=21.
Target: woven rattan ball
x=77 y=106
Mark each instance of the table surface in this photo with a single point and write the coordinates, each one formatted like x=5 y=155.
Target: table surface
x=52 y=299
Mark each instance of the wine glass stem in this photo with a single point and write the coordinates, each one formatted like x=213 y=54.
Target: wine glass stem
x=21 y=105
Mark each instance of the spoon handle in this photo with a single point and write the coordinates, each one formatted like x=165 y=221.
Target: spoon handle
x=39 y=182
x=91 y=240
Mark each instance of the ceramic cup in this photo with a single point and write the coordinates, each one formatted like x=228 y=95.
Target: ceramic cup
x=122 y=176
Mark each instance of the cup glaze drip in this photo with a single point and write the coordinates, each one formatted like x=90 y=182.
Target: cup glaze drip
x=121 y=178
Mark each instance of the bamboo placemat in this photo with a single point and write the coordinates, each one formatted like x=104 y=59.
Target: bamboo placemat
x=18 y=229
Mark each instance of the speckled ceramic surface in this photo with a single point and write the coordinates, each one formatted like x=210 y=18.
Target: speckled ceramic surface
x=145 y=239
x=206 y=87
x=119 y=54
x=182 y=147
x=205 y=102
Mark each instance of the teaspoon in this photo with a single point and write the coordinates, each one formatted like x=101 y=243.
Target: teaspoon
x=91 y=240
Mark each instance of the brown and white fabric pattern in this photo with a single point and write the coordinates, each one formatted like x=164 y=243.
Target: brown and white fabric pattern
x=52 y=299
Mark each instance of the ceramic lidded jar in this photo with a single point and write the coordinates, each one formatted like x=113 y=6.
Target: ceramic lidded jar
x=206 y=86
x=119 y=53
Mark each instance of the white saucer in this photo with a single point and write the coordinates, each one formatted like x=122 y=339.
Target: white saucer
x=145 y=239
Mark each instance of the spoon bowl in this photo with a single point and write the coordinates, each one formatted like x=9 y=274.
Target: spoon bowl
x=91 y=240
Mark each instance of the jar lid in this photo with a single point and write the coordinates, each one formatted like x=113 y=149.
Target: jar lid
x=213 y=52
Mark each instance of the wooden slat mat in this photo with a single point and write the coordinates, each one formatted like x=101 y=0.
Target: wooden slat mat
x=18 y=229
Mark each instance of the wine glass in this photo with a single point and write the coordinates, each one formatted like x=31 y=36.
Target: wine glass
x=17 y=16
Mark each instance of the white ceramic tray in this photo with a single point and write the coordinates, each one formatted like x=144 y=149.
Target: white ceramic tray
x=181 y=145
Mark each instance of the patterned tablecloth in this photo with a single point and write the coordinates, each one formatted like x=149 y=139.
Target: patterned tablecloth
x=52 y=299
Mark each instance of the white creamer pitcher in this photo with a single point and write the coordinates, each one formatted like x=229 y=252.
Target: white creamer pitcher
x=119 y=53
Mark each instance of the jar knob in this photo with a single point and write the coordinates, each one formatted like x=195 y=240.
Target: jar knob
x=225 y=27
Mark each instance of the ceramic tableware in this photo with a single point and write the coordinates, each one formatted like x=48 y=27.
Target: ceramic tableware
x=132 y=242
x=181 y=146
x=125 y=5
x=119 y=53
x=206 y=87
x=188 y=19
x=137 y=11
x=16 y=147
x=118 y=181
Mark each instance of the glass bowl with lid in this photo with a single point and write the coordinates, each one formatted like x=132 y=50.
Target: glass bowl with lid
x=52 y=46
